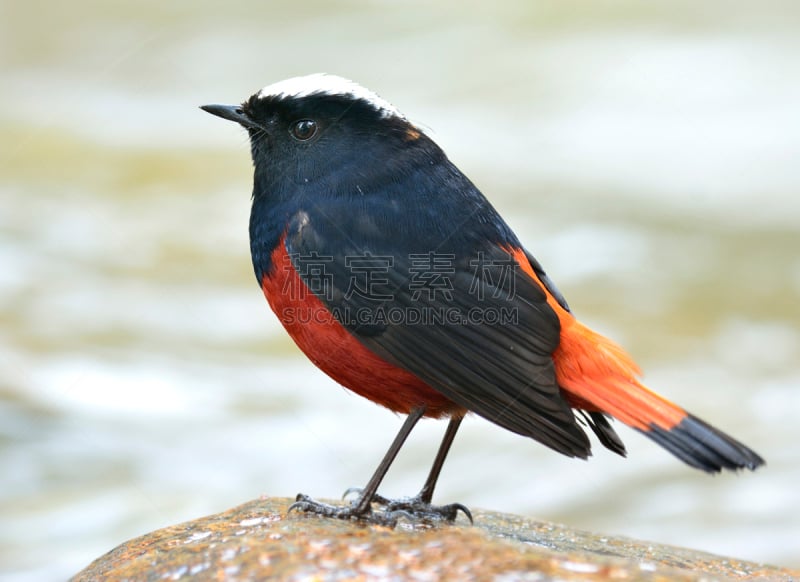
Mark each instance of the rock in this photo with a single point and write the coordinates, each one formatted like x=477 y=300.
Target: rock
x=257 y=541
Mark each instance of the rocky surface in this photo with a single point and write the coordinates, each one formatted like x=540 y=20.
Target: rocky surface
x=258 y=541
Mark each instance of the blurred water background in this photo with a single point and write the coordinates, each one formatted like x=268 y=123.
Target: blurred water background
x=647 y=154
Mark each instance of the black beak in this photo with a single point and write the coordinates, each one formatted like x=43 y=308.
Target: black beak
x=230 y=112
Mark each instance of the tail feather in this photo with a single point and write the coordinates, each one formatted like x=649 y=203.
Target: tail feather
x=597 y=376
x=607 y=383
x=704 y=447
x=608 y=437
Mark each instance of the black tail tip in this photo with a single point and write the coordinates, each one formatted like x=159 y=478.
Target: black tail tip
x=704 y=447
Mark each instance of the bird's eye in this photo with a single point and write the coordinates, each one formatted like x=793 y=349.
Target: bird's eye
x=304 y=129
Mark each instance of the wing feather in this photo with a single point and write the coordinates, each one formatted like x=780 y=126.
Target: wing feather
x=485 y=341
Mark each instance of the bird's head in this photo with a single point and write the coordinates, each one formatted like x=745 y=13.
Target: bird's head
x=323 y=127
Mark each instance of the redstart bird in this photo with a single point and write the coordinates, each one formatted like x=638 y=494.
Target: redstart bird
x=395 y=275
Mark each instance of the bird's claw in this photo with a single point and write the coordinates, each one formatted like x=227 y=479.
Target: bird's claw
x=409 y=508
x=424 y=511
x=351 y=490
x=306 y=504
x=376 y=497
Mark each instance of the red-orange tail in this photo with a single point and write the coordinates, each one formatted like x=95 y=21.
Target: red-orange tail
x=599 y=377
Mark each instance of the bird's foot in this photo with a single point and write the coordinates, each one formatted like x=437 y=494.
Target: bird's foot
x=416 y=509
x=352 y=512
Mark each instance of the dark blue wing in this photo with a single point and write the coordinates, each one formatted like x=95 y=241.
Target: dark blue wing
x=454 y=310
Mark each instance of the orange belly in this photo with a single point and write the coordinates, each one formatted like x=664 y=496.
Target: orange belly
x=337 y=352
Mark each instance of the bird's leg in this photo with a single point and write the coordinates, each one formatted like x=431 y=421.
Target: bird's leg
x=361 y=508
x=420 y=505
x=426 y=493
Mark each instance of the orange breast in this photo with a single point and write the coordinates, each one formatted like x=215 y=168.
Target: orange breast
x=336 y=351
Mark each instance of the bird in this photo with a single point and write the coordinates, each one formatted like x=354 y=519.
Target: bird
x=397 y=277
